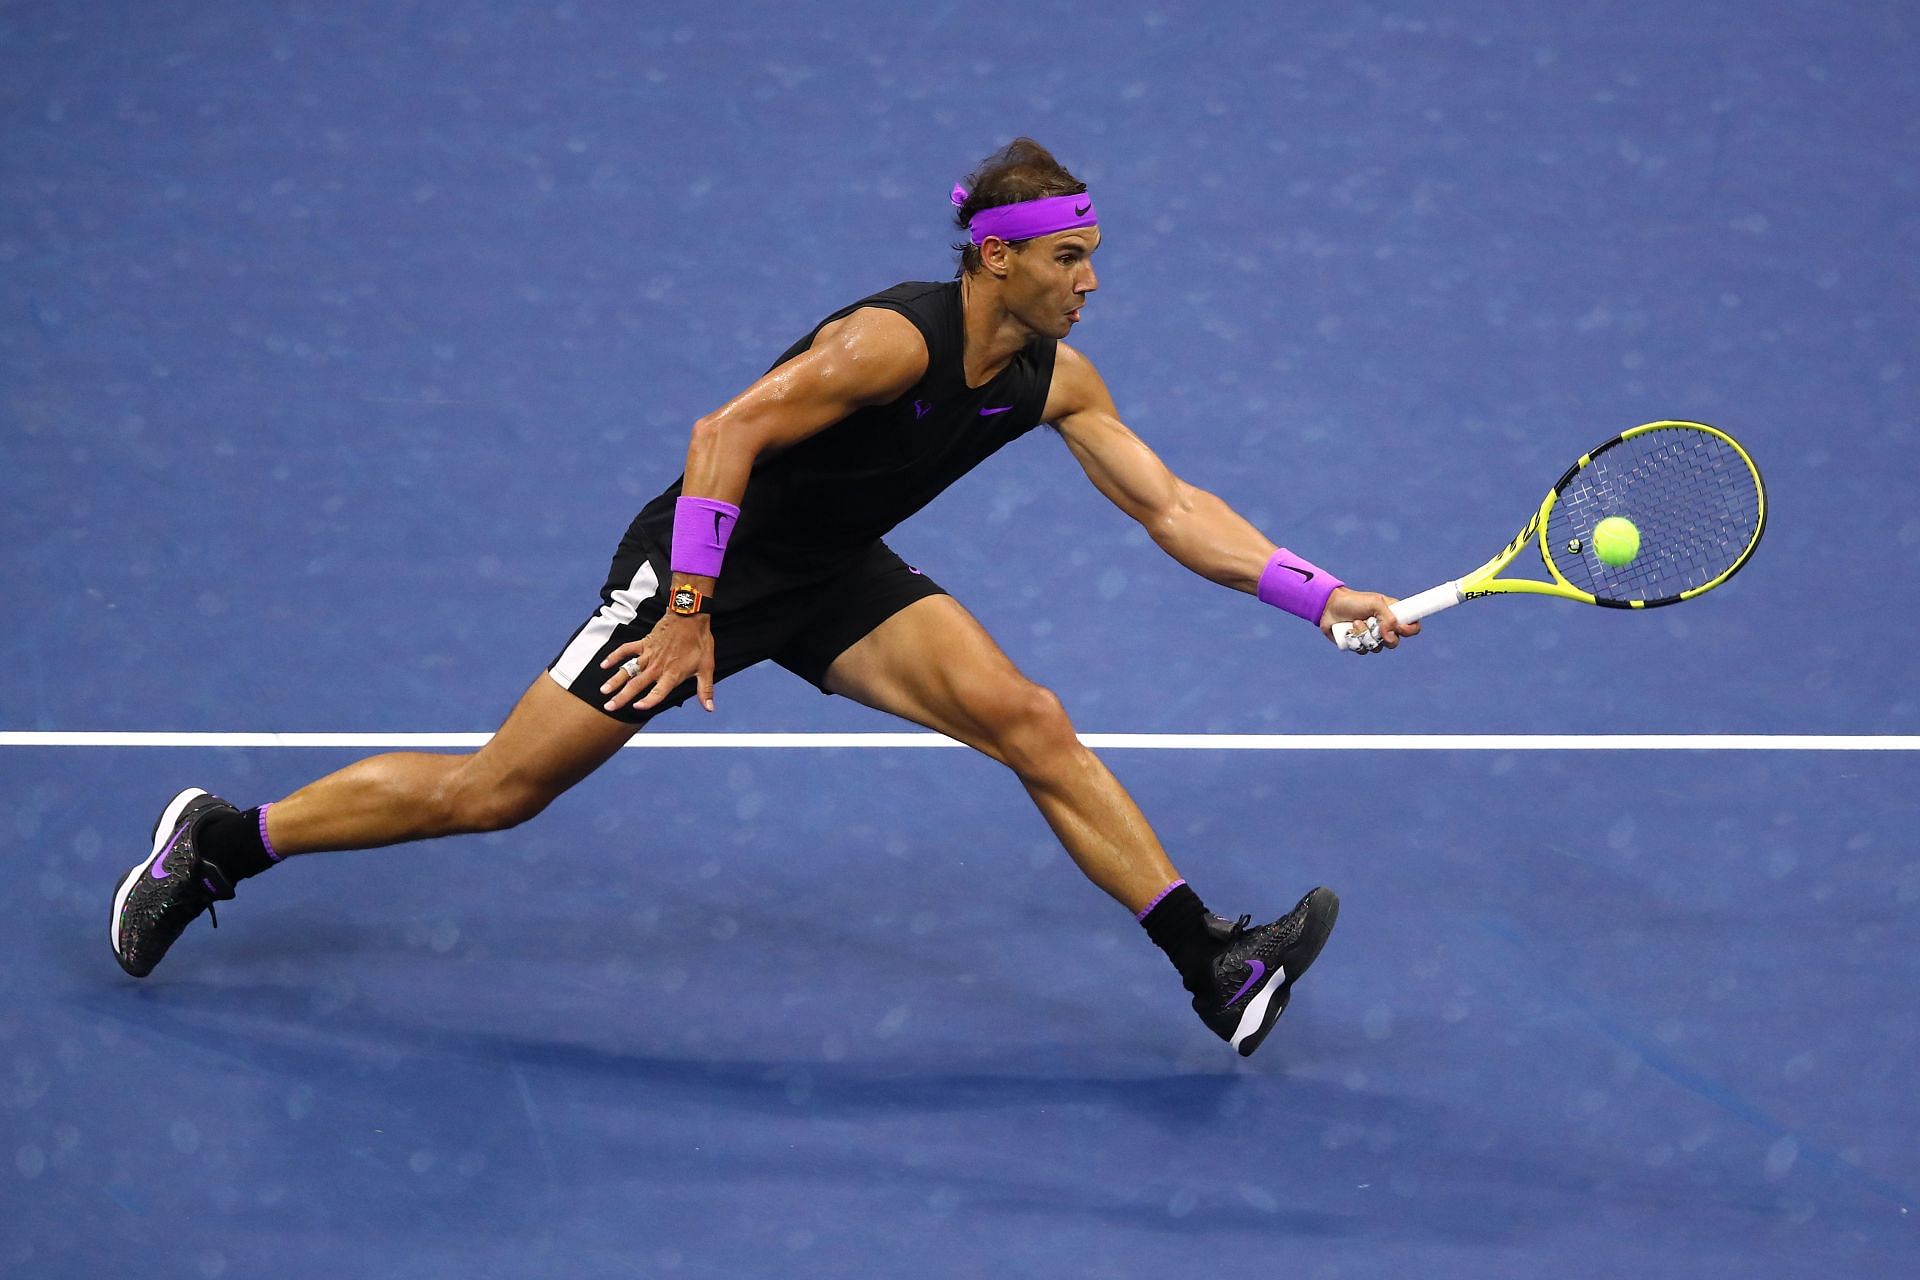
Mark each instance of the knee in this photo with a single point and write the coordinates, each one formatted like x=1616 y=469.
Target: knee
x=1032 y=731
x=476 y=801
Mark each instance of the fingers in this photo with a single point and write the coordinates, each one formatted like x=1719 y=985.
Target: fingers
x=630 y=652
x=656 y=680
x=1385 y=629
x=1390 y=621
x=665 y=685
x=636 y=665
x=1391 y=629
x=1380 y=630
x=703 y=683
x=631 y=661
x=647 y=667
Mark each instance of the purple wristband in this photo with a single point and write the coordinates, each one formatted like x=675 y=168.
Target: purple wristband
x=1298 y=586
x=701 y=527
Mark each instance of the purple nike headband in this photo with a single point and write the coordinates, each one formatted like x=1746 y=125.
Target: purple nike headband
x=1029 y=218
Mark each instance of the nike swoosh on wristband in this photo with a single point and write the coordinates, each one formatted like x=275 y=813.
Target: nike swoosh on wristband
x=988 y=413
x=1259 y=972
x=1305 y=575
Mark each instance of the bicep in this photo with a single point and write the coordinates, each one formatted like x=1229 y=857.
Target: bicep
x=1121 y=466
x=1119 y=463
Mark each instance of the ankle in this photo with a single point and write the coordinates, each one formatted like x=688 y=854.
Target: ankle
x=237 y=843
x=1176 y=922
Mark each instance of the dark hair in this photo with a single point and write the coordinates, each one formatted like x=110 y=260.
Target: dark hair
x=1021 y=170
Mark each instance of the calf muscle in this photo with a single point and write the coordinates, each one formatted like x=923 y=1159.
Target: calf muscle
x=551 y=741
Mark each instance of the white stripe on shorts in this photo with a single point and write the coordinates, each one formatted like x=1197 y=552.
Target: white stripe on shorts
x=624 y=608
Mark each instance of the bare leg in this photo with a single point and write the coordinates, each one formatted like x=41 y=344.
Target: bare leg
x=934 y=664
x=550 y=741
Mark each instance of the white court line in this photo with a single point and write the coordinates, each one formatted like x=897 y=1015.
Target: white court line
x=1099 y=741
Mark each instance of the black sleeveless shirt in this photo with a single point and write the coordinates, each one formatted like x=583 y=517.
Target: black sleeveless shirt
x=810 y=509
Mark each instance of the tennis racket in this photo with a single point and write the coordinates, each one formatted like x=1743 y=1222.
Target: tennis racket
x=1693 y=492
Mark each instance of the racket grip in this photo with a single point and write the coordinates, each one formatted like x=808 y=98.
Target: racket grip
x=1411 y=609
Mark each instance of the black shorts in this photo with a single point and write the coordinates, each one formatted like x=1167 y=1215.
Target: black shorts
x=803 y=628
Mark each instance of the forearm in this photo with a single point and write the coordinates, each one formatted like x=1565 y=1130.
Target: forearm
x=719 y=460
x=1209 y=537
x=718 y=464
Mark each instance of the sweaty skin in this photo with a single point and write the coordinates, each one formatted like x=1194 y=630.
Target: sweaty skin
x=873 y=357
x=972 y=692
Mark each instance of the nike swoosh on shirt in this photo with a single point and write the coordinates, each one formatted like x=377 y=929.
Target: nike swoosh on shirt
x=920 y=408
x=988 y=413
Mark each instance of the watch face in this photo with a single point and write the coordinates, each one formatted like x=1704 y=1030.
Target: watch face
x=685 y=600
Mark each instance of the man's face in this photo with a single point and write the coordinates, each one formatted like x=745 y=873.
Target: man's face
x=1048 y=281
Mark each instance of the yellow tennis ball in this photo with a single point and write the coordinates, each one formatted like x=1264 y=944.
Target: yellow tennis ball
x=1616 y=541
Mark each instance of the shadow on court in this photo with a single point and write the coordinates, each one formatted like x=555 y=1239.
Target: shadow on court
x=338 y=343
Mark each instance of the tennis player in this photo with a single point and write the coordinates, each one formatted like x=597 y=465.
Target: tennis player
x=769 y=547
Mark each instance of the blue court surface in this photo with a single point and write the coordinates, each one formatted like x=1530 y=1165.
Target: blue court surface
x=338 y=343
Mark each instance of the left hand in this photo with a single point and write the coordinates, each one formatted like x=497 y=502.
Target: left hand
x=1348 y=605
x=676 y=648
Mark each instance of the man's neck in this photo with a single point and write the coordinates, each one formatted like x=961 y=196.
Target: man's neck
x=993 y=336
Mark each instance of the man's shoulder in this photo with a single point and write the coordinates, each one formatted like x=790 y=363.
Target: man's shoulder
x=880 y=349
x=1072 y=370
x=911 y=291
x=929 y=306
x=1075 y=386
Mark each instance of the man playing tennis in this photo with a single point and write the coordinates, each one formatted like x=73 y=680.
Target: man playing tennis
x=769 y=547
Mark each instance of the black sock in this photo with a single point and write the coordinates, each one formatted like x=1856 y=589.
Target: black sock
x=1177 y=925
x=235 y=843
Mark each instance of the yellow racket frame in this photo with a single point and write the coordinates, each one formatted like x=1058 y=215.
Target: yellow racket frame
x=1484 y=582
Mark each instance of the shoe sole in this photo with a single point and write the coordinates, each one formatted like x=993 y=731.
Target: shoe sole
x=1257 y=1019
x=162 y=833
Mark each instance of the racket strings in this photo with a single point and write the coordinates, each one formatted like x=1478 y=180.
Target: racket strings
x=1692 y=496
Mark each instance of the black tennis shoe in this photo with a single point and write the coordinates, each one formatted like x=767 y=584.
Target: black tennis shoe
x=1254 y=973
x=162 y=896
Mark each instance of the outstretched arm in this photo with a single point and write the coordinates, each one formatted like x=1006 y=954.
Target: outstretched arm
x=1190 y=524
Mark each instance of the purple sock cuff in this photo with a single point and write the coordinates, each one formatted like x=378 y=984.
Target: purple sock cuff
x=1148 y=909
x=264 y=841
x=1298 y=586
x=701 y=527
